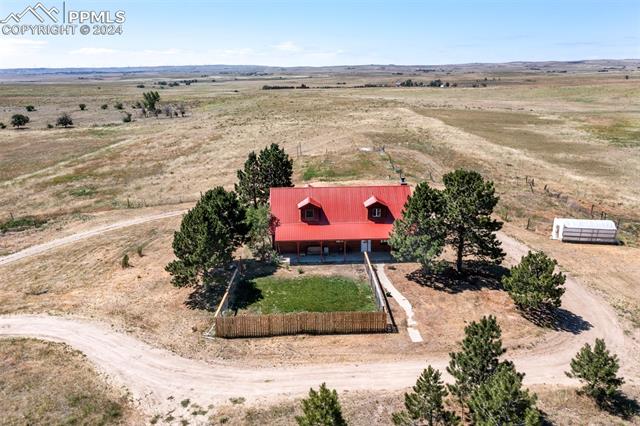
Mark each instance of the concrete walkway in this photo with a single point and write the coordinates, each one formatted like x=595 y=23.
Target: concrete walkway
x=404 y=303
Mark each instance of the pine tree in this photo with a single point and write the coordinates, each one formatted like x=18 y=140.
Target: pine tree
x=321 y=408
x=260 y=234
x=271 y=168
x=208 y=235
x=478 y=359
x=425 y=405
x=533 y=285
x=598 y=369
x=418 y=235
x=469 y=202
x=502 y=401
x=249 y=187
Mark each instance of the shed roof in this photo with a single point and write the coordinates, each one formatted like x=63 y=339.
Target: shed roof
x=585 y=223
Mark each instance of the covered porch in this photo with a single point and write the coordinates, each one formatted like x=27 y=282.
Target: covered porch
x=338 y=251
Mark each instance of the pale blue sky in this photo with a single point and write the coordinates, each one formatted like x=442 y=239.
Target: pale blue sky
x=289 y=33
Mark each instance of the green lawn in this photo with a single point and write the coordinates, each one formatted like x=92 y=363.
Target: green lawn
x=306 y=293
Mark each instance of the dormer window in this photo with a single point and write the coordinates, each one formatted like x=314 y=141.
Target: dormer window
x=377 y=209
x=310 y=210
x=376 y=212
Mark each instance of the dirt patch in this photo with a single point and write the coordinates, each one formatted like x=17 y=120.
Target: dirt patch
x=442 y=313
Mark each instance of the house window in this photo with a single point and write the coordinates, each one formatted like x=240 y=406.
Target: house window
x=384 y=242
x=376 y=212
x=309 y=214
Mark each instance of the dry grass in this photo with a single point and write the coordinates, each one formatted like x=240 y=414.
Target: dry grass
x=560 y=405
x=49 y=383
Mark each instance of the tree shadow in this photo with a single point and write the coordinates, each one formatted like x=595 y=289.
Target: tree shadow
x=621 y=406
x=559 y=319
x=475 y=277
x=246 y=295
x=208 y=295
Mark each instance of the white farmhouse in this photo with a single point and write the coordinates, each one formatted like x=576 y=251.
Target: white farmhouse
x=584 y=231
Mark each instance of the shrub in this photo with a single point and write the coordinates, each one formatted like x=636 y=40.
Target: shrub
x=30 y=108
x=3 y=126
x=82 y=107
x=19 y=120
x=139 y=250
x=118 y=105
x=140 y=86
x=125 y=262
x=127 y=117
x=598 y=369
x=64 y=120
x=49 y=126
x=104 y=106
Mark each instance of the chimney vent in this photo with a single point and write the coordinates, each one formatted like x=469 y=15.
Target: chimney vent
x=403 y=180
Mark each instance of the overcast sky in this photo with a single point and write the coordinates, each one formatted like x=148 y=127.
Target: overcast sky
x=289 y=33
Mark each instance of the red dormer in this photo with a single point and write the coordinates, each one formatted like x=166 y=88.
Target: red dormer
x=310 y=210
x=377 y=210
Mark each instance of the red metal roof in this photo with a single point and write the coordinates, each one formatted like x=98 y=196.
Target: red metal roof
x=373 y=200
x=344 y=215
x=308 y=201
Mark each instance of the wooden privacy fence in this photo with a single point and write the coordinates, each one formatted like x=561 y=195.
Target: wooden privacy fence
x=298 y=323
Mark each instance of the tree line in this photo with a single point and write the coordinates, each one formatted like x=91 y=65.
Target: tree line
x=485 y=391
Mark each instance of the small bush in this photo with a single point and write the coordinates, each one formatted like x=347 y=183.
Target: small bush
x=126 y=118
x=139 y=251
x=49 y=126
x=185 y=402
x=140 y=86
x=300 y=271
x=30 y=108
x=3 y=126
x=19 y=120
x=82 y=107
x=64 y=120
x=118 y=105
x=104 y=106
x=125 y=262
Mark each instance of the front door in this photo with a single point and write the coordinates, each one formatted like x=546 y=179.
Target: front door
x=365 y=245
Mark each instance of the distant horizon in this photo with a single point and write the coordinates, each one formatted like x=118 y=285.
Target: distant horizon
x=574 y=61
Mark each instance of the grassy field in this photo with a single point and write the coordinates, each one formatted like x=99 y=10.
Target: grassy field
x=49 y=383
x=306 y=293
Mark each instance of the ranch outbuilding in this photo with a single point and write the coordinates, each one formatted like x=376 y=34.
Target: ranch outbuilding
x=584 y=231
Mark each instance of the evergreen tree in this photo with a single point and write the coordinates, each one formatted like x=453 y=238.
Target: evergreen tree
x=502 y=401
x=271 y=168
x=249 y=187
x=276 y=168
x=469 y=202
x=418 y=235
x=533 y=285
x=260 y=241
x=598 y=369
x=321 y=408
x=478 y=359
x=425 y=405
x=208 y=235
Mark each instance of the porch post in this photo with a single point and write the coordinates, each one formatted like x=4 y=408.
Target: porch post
x=298 y=250
x=344 y=249
x=321 y=253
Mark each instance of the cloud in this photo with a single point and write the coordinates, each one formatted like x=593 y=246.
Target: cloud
x=287 y=46
x=92 y=51
x=16 y=46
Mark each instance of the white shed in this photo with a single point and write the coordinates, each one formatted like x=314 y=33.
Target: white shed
x=584 y=231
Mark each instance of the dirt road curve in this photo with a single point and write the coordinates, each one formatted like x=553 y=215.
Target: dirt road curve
x=154 y=375
x=41 y=248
